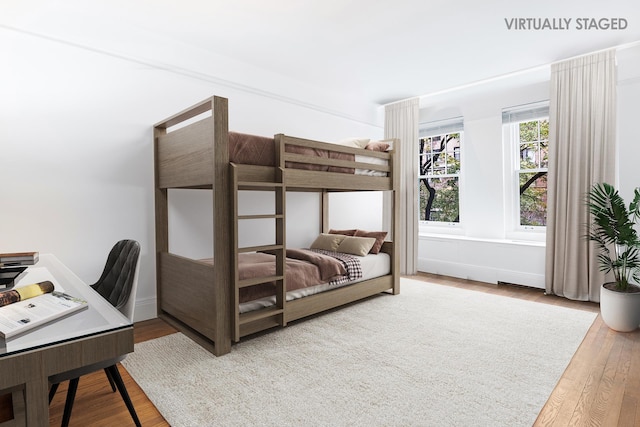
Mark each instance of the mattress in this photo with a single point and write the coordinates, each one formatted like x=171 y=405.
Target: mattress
x=373 y=160
x=373 y=265
x=258 y=150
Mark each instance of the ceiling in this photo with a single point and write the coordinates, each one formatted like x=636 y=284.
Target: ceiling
x=377 y=52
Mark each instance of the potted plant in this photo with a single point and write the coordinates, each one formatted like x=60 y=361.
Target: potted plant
x=613 y=230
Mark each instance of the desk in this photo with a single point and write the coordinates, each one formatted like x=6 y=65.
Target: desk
x=99 y=333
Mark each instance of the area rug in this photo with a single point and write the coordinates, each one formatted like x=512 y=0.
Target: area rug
x=431 y=356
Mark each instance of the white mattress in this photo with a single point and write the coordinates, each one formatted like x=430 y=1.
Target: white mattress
x=373 y=160
x=372 y=266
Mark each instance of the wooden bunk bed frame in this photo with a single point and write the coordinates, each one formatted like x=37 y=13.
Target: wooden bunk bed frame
x=200 y=299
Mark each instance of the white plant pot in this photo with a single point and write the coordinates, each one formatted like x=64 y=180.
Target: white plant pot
x=620 y=310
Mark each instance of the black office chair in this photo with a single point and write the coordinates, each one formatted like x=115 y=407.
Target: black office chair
x=118 y=285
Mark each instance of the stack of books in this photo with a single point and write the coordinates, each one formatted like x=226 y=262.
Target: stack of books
x=9 y=276
x=18 y=258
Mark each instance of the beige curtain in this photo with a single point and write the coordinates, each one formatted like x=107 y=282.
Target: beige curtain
x=401 y=121
x=582 y=124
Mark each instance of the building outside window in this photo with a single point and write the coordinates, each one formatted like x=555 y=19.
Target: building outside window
x=526 y=130
x=439 y=170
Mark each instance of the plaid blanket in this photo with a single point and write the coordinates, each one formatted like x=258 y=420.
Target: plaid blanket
x=351 y=264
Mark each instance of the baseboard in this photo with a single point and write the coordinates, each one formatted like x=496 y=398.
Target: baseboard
x=145 y=309
x=480 y=273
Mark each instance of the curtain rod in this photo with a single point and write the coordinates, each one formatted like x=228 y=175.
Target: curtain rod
x=616 y=48
x=514 y=73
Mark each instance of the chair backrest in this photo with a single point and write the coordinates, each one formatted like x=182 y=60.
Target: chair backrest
x=119 y=280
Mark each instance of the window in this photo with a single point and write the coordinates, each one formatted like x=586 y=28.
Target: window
x=527 y=147
x=439 y=170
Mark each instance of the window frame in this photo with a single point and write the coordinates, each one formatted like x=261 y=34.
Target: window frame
x=511 y=119
x=434 y=129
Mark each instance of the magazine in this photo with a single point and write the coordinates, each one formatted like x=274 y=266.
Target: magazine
x=22 y=316
x=25 y=292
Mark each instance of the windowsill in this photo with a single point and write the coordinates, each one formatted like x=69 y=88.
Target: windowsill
x=519 y=242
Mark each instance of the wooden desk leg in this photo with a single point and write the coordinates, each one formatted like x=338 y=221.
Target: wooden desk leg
x=37 y=402
x=18 y=407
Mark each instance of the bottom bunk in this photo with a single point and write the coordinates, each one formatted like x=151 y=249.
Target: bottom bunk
x=327 y=300
x=371 y=266
x=187 y=297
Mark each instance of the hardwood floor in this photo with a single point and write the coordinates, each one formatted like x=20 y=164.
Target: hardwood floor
x=600 y=387
x=97 y=406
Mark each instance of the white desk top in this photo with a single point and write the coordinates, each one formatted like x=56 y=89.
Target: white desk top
x=100 y=317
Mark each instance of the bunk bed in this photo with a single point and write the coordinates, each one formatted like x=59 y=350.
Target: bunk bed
x=202 y=297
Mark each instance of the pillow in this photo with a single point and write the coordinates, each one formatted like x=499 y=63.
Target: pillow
x=355 y=142
x=351 y=232
x=377 y=146
x=328 y=242
x=378 y=235
x=356 y=245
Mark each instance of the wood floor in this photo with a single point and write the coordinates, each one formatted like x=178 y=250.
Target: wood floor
x=601 y=386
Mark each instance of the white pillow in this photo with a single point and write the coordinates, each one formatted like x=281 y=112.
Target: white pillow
x=355 y=142
x=356 y=245
x=328 y=242
x=383 y=141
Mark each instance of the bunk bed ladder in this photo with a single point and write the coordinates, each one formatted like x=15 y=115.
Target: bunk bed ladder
x=254 y=321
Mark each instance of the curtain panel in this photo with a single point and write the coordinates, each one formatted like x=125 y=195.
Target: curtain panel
x=582 y=150
x=401 y=121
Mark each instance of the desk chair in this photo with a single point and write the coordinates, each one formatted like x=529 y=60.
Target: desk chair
x=117 y=284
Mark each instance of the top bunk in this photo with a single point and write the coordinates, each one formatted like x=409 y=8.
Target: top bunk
x=195 y=145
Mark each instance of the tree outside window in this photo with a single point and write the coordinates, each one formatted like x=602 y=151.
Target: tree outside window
x=533 y=148
x=439 y=168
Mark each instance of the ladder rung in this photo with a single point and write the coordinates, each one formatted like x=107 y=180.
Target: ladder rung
x=260 y=184
x=252 y=316
x=265 y=216
x=258 y=280
x=260 y=248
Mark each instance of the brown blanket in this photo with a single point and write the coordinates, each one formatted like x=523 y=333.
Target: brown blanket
x=251 y=149
x=259 y=150
x=304 y=269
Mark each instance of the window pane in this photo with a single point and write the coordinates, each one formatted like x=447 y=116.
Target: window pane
x=439 y=199
x=425 y=165
x=544 y=129
x=453 y=163
x=544 y=154
x=437 y=143
x=528 y=156
x=439 y=164
x=425 y=145
x=529 y=131
x=533 y=199
x=453 y=153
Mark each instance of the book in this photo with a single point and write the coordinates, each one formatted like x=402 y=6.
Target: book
x=25 y=292
x=22 y=316
x=9 y=276
x=18 y=258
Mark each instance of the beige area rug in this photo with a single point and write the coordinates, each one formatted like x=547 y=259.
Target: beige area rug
x=431 y=356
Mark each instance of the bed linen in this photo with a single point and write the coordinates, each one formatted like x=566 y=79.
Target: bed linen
x=372 y=265
x=259 y=150
x=305 y=268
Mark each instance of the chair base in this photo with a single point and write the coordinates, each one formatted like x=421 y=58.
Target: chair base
x=116 y=382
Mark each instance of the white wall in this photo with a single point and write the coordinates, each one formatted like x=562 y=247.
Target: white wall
x=76 y=159
x=478 y=248
x=482 y=249
x=628 y=116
